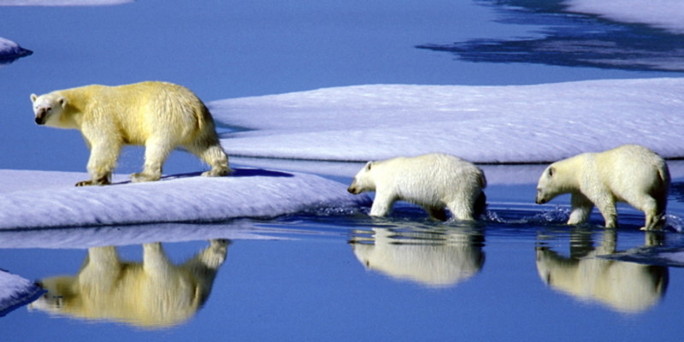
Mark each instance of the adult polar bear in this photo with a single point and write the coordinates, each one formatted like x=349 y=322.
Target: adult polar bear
x=159 y=115
x=629 y=173
x=433 y=181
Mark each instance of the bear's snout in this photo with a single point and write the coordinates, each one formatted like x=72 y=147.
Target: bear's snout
x=41 y=115
x=352 y=190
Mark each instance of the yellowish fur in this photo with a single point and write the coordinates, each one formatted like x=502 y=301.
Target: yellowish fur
x=159 y=115
x=153 y=294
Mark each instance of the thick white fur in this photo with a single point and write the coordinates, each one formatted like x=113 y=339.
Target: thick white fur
x=629 y=173
x=153 y=294
x=432 y=181
x=161 y=116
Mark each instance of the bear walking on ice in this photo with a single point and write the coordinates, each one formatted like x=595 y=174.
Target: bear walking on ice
x=432 y=181
x=629 y=173
x=159 y=115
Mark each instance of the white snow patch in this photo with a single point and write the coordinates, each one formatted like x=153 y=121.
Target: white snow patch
x=664 y=14
x=485 y=124
x=249 y=193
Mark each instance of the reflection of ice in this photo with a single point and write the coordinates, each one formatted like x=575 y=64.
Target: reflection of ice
x=622 y=286
x=151 y=294
x=15 y=291
x=436 y=257
x=9 y=51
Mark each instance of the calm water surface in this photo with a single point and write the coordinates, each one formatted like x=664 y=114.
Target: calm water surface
x=518 y=275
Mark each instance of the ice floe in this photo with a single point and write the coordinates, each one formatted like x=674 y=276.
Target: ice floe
x=665 y=14
x=484 y=124
x=248 y=193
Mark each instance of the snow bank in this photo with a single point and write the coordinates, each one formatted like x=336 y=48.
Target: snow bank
x=665 y=14
x=10 y=50
x=63 y=2
x=249 y=193
x=486 y=124
x=15 y=291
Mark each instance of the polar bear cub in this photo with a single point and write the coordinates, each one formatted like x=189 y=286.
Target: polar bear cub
x=159 y=115
x=629 y=173
x=432 y=181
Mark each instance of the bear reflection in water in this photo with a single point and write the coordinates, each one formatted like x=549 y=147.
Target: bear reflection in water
x=439 y=257
x=622 y=286
x=152 y=294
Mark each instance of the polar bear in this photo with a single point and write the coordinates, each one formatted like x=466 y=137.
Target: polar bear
x=159 y=115
x=432 y=181
x=153 y=294
x=629 y=173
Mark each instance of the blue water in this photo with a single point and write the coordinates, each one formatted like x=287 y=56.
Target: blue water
x=309 y=276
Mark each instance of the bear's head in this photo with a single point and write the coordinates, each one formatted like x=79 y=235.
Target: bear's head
x=363 y=181
x=58 y=295
x=48 y=108
x=548 y=186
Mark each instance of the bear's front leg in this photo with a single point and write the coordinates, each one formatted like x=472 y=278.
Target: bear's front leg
x=101 y=163
x=581 y=209
x=382 y=205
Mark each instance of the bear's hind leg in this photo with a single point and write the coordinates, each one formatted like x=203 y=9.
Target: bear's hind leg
x=609 y=213
x=214 y=156
x=654 y=220
x=156 y=152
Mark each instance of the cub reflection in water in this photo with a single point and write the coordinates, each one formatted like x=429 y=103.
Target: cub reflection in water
x=622 y=286
x=434 y=258
x=153 y=294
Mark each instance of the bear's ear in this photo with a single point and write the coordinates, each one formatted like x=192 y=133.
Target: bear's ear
x=369 y=165
x=34 y=97
x=62 y=101
x=551 y=171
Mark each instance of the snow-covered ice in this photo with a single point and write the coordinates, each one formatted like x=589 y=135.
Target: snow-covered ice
x=248 y=193
x=485 y=124
x=665 y=14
